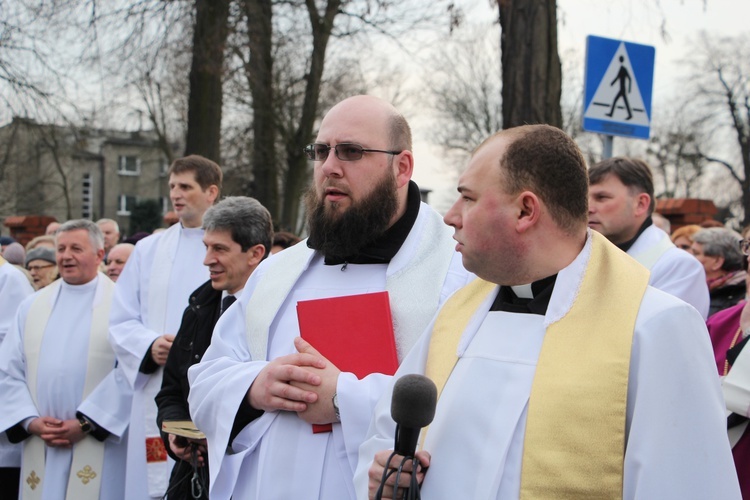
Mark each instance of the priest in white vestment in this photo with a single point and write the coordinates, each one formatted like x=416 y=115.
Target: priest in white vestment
x=54 y=357
x=560 y=372
x=621 y=201
x=150 y=297
x=253 y=394
x=14 y=287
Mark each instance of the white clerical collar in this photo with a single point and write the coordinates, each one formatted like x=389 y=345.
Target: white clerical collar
x=237 y=294
x=82 y=287
x=192 y=231
x=523 y=291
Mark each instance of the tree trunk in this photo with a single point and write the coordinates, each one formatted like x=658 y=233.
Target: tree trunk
x=259 y=73
x=532 y=76
x=206 y=72
x=297 y=164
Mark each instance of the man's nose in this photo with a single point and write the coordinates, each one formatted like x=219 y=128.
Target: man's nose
x=331 y=166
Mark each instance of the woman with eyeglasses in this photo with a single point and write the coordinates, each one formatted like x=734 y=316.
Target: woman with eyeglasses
x=41 y=264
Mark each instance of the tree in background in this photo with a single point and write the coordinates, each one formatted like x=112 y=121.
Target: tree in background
x=145 y=216
x=532 y=78
x=466 y=91
x=283 y=51
x=673 y=152
x=720 y=80
x=206 y=77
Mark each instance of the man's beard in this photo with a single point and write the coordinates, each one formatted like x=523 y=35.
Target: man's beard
x=344 y=234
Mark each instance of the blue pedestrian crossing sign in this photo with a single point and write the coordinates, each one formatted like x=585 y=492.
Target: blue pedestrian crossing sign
x=618 y=87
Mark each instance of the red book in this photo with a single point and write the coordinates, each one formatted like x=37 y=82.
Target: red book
x=354 y=332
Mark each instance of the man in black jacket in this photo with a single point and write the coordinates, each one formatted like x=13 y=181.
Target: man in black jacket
x=238 y=236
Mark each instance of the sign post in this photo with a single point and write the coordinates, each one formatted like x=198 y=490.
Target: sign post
x=618 y=89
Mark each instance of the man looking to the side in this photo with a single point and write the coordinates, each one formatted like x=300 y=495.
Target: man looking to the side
x=253 y=394
x=560 y=372
x=621 y=201
x=238 y=236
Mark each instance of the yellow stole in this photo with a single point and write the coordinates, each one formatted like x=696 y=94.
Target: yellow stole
x=575 y=429
x=84 y=480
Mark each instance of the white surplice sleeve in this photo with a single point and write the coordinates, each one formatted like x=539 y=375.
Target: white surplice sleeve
x=128 y=333
x=109 y=403
x=14 y=287
x=680 y=274
x=219 y=383
x=17 y=402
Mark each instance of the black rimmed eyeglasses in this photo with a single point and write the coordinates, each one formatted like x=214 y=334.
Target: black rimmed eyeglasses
x=745 y=246
x=344 y=151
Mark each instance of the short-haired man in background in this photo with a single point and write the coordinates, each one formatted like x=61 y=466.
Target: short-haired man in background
x=150 y=297
x=621 y=201
x=117 y=258
x=111 y=231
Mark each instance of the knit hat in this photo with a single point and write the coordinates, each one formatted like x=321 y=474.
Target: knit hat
x=6 y=240
x=15 y=254
x=41 y=253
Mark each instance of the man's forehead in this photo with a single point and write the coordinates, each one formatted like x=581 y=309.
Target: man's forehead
x=609 y=180
x=182 y=177
x=353 y=121
x=74 y=236
x=119 y=253
x=214 y=236
x=484 y=166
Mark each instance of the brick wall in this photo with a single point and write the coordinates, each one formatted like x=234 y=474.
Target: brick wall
x=24 y=228
x=684 y=211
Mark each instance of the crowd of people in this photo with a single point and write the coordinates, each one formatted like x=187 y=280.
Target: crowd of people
x=579 y=349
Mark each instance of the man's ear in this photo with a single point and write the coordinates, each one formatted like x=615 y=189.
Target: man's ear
x=255 y=254
x=642 y=203
x=213 y=192
x=404 y=165
x=529 y=211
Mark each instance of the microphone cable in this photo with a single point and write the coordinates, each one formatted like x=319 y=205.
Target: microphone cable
x=412 y=492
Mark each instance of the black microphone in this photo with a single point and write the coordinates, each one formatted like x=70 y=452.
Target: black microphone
x=412 y=407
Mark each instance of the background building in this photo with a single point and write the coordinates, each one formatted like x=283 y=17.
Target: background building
x=79 y=172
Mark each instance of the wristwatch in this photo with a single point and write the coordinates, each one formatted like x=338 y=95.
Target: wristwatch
x=335 y=400
x=85 y=424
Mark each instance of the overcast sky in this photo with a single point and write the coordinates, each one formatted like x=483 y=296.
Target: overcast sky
x=637 y=21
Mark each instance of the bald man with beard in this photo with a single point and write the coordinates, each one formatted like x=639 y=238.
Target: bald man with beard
x=369 y=232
